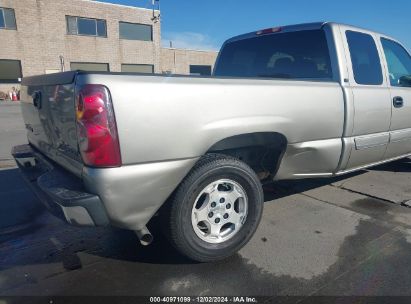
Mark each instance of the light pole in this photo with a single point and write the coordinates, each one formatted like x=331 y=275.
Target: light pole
x=62 y=68
x=156 y=18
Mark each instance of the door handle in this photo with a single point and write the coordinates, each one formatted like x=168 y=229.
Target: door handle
x=398 y=102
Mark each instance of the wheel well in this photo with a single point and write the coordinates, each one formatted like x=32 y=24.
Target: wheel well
x=262 y=151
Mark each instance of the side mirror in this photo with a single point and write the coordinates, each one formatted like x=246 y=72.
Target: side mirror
x=405 y=81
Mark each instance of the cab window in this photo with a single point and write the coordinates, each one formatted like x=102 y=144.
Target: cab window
x=365 y=60
x=292 y=55
x=398 y=61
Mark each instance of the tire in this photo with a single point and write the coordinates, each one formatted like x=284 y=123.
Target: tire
x=225 y=179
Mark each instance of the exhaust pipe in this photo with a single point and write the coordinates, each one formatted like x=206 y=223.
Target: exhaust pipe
x=145 y=237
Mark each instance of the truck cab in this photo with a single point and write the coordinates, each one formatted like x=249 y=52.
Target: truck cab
x=372 y=70
x=377 y=97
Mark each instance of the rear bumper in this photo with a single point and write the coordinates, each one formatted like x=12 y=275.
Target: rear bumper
x=126 y=197
x=61 y=192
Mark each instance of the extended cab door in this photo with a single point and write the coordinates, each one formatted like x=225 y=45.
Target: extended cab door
x=398 y=68
x=367 y=131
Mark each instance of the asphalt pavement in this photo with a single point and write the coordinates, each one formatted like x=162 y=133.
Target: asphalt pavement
x=343 y=236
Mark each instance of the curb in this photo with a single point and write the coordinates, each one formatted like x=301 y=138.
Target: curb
x=9 y=103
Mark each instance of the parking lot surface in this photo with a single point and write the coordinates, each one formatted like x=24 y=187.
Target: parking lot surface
x=343 y=236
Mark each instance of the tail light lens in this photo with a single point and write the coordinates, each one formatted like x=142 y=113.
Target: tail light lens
x=96 y=127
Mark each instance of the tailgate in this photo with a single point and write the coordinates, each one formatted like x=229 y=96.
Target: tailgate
x=48 y=108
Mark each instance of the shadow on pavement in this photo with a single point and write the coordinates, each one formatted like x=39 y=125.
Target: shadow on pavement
x=18 y=206
x=401 y=165
x=113 y=262
x=281 y=189
x=276 y=190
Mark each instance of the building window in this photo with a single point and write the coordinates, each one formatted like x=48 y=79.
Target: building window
x=90 y=66
x=138 y=68
x=10 y=71
x=86 y=26
x=52 y=71
x=7 y=19
x=134 y=31
x=203 y=70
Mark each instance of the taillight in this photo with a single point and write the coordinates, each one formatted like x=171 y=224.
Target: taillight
x=96 y=127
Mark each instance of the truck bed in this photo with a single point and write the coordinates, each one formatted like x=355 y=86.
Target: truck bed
x=163 y=118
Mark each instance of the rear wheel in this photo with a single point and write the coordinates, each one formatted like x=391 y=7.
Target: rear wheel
x=216 y=209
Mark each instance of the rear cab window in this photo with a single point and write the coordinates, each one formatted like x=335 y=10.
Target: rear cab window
x=365 y=59
x=291 y=55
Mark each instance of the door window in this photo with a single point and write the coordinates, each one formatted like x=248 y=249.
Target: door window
x=365 y=60
x=398 y=61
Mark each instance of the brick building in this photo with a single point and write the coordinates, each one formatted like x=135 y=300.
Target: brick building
x=183 y=61
x=43 y=36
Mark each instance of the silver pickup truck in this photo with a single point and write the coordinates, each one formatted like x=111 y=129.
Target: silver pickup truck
x=301 y=101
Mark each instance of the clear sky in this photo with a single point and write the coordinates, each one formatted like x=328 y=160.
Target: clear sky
x=205 y=24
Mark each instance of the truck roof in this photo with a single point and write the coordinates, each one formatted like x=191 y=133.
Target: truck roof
x=301 y=27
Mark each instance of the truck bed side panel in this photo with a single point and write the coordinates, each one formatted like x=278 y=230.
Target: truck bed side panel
x=166 y=118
